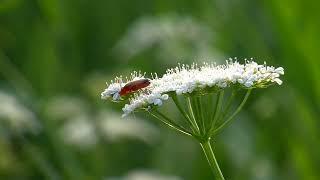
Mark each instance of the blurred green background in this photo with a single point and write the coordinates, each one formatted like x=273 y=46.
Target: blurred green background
x=56 y=55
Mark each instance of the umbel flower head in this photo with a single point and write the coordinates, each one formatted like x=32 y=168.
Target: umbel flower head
x=194 y=79
x=203 y=94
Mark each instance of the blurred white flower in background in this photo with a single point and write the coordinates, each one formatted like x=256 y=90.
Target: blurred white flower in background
x=173 y=36
x=241 y=146
x=262 y=169
x=77 y=128
x=145 y=175
x=63 y=107
x=114 y=128
x=16 y=115
x=266 y=106
x=239 y=141
x=79 y=131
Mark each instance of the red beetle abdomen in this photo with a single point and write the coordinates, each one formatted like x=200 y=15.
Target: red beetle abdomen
x=134 y=86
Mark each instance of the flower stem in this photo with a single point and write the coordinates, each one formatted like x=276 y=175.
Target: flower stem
x=192 y=113
x=201 y=115
x=235 y=113
x=172 y=124
x=206 y=147
x=193 y=126
x=217 y=110
x=229 y=103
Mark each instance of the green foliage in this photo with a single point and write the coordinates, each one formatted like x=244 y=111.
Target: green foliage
x=66 y=48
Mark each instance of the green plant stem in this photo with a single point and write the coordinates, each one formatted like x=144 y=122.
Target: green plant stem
x=194 y=127
x=206 y=147
x=200 y=114
x=194 y=121
x=171 y=124
x=235 y=112
x=229 y=103
x=217 y=110
x=195 y=112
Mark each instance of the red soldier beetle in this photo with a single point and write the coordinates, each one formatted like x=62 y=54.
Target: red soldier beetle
x=134 y=86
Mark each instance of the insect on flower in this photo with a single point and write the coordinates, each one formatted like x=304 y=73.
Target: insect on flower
x=134 y=86
x=209 y=81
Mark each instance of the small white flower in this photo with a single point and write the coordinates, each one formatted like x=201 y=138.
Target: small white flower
x=279 y=70
x=157 y=102
x=165 y=97
x=112 y=91
x=278 y=81
x=116 y=96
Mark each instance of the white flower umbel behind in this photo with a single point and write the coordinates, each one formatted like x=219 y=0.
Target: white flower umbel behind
x=169 y=36
x=15 y=116
x=143 y=174
x=198 y=92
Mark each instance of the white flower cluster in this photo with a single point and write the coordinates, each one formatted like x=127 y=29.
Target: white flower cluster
x=187 y=79
x=144 y=100
x=112 y=91
x=115 y=87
